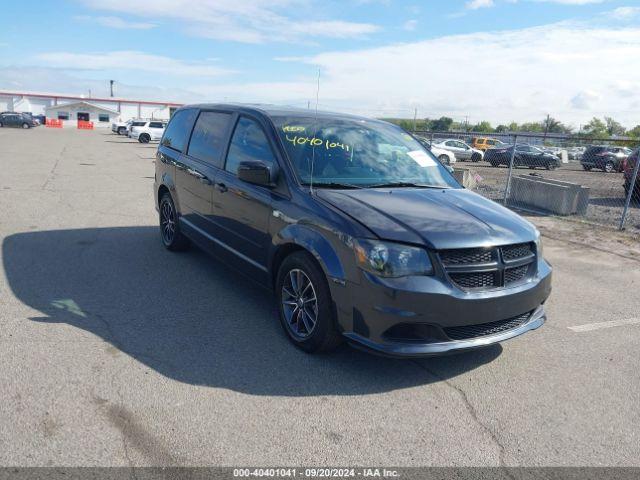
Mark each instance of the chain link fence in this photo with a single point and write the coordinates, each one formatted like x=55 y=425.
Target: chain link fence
x=565 y=175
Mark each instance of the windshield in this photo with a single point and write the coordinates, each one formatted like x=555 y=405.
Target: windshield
x=358 y=153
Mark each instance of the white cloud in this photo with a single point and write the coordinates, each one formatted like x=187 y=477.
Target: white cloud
x=476 y=4
x=247 y=21
x=572 y=2
x=115 y=22
x=529 y=73
x=410 y=25
x=624 y=13
x=128 y=60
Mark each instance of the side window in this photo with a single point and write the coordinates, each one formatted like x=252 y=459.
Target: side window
x=155 y=124
x=248 y=143
x=209 y=136
x=177 y=133
x=450 y=143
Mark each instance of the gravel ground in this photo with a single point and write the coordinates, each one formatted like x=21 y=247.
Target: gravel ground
x=606 y=195
x=115 y=352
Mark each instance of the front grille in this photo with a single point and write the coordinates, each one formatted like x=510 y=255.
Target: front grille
x=474 y=279
x=468 y=255
x=512 y=252
x=485 y=329
x=515 y=274
x=488 y=268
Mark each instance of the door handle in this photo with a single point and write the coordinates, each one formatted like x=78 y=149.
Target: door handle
x=203 y=178
x=221 y=187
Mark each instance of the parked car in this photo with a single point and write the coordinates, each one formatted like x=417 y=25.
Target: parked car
x=362 y=234
x=120 y=127
x=17 y=120
x=445 y=156
x=606 y=158
x=150 y=130
x=461 y=150
x=484 y=143
x=525 y=156
x=575 y=153
x=628 y=166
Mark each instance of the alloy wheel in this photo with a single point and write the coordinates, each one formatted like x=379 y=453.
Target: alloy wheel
x=299 y=303
x=167 y=222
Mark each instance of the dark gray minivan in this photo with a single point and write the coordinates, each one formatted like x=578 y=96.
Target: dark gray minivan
x=360 y=231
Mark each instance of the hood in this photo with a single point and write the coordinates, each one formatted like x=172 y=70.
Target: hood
x=440 y=219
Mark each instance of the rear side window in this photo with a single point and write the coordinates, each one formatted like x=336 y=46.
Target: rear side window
x=156 y=124
x=177 y=133
x=209 y=136
x=248 y=143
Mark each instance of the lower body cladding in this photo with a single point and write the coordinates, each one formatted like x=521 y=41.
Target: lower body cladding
x=424 y=316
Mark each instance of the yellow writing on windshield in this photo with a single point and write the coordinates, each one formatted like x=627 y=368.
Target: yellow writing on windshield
x=317 y=142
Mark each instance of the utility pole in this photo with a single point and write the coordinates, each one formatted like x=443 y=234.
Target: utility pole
x=415 y=118
x=466 y=123
x=546 y=129
x=89 y=93
x=111 y=82
x=308 y=104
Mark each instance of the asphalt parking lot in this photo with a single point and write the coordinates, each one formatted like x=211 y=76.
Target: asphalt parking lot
x=115 y=352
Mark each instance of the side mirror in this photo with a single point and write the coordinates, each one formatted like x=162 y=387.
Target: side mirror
x=256 y=172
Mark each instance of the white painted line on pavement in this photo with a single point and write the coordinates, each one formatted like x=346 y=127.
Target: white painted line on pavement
x=587 y=327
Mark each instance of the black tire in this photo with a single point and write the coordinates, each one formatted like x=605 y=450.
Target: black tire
x=476 y=157
x=493 y=163
x=609 y=167
x=25 y=125
x=324 y=335
x=172 y=240
x=1 y=125
x=144 y=138
x=550 y=166
x=587 y=168
x=444 y=159
x=122 y=130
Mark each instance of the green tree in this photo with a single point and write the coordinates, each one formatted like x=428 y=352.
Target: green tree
x=551 y=125
x=502 y=128
x=535 y=127
x=595 y=128
x=634 y=132
x=614 y=128
x=483 y=127
x=443 y=124
x=514 y=127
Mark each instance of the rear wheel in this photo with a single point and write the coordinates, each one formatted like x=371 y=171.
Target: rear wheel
x=304 y=300
x=1 y=125
x=587 y=168
x=172 y=237
x=122 y=130
x=609 y=167
x=144 y=138
x=26 y=125
x=476 y=157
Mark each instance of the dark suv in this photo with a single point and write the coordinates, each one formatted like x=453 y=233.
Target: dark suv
x=19 y=120
x=607 y=159
x=360 y=231
x=525 y=156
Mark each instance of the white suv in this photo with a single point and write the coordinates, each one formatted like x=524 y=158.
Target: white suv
x=151 y=130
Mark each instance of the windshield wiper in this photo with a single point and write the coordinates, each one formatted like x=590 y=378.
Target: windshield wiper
x=331 y=185
x=404 y=184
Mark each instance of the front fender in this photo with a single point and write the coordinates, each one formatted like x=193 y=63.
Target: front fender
x=316 y=243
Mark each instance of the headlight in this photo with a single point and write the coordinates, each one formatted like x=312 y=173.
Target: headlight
x=388 y=259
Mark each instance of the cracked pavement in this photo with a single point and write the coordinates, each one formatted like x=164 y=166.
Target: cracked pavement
x=115 y=352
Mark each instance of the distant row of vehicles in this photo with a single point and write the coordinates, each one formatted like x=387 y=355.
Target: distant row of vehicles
x=143 y=130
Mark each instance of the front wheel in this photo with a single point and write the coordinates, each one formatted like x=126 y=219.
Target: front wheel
x=551 y=166
x=122 y=131
x=444 y=159
x=304 y=300
x=476 y=157
x=144 y=138
x=26 y=125
x=172 y=237
x=609 y=167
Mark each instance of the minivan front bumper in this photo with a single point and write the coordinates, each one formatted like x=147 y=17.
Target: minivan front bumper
x=369 y=311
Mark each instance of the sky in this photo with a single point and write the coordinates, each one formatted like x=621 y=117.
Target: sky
x=495 y=60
